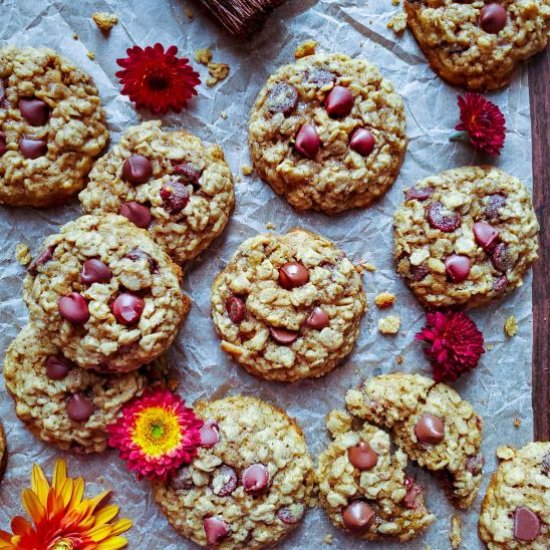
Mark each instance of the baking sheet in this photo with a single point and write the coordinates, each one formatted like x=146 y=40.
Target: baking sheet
x=500 y=389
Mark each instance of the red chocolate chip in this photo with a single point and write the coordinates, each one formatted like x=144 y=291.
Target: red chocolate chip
x=411 y=498
x=57 y=367
x=3 y=144
x=419 y=194
x=209 y=434
x=500 y=284
x=339 y=102
x=493 y=18
x=95 y=271
x=255 y=479
x=362 y=456
x=282 y=98
x=437 y=220
x=80 y=408
x=236 y=309
x=137 y=213
x=174 y=196
x=474 y=464
x=137 y=169
x=429 y=429
x=457 y=267
x=283 y=336
x=216 y=530
x=291 y=515
x=188 y=173
x=307 y=141
x=486 y=235
x=501 y=258
x=138 y=254
x=418 y=272
x=43 y=258
x=182 y=480
x=127 y=308
x=73 y=308
x=224 y=481
x=32 y=148
x=526 y=524
x=362 y=141
x=494 y=203
x=318 y=319
x=293 y=275
x=357 y=516
x=35 y=111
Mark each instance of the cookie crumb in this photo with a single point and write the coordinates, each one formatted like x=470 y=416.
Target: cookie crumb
x=223 y=115
x=365 y=266
x=455 y=536
x=398 y=23
x=91 y=55
x=105 y=21
x=396 y=2
x=389 y=324
x=271 y=226
x=505 y=452
x=511 y=326
x=217 y=72
x=399 y=359
x=517 y=422
x=188 y=12
x=329 y=538
x=384 y=300
x=305 y=48
x=75 y=36
x=489 y=347
x=247 y=170
x=239 y=179
x=203 y=56
x=23 y=254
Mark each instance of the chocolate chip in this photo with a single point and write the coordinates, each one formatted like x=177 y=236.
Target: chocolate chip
x=95 y=271
x=307 y=141
x=357 y=516
x=32 y=148
x=182 y=480
x=438 y=220
x=138 y=254
x=500 y=284
x=429 y=429
x=216 y=530
x=236 y=309
x=174 y=196
x=318 y=319
x=546 y=464
x=224 y=481
x=43 y=258
x=80 y=408
x=282 y=98
x=526 y=524
x=35 y=111
x=137 y=213
x=293 y=275
x=209 y=434
x=362 y=141
x=255 y=479
x=127 y=308
x=486 y=235
x=493 y=18
x=339 y=102
x=187 y=173
x=319 y=77
x=418 y=193
x=457 y=267
x=137 y=169
x=494 y=203
x=502 y=259
x=291 y=514
x=418 y=272
x=3 y=143
x=474 y=464
x=73 y=308
x=362 y=456
x=283 y=336
x=57 y=367
x=411 y=498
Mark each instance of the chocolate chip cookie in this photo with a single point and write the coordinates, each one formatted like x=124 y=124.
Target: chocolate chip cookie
x=478 y=44
x=52 y=126
x=59 y=402
x=250 y=483
x=363 y=485
x=3 y=452
x=328 y=133
x=465 y=236
x=516 y=510
x=169 y=183
x=288 y=306
x=106 y=294
x=431 y=423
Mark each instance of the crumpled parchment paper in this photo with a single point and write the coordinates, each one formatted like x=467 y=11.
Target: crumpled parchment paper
x=500 y=389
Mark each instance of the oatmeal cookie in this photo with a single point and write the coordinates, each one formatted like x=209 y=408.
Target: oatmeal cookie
x=288 y=306
x=516 y=510
x=59 y=402
x=478 y=44
x=328 y=133
x=106 y=294
x=250 y=483
x=169 y=183
x=431 y=423
x=363 y=485
x=3 y=452
x=465 y=236
x=52 y=126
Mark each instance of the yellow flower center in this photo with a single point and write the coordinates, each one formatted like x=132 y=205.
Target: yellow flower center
x=63 y=545
x=156 y=431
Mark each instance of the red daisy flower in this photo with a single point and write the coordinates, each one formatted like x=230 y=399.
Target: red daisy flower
x=156 y=434
x=455 y=344
x=483 y=122
x=156 y=79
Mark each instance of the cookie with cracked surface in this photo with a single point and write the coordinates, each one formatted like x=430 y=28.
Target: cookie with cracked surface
x=465 y=236
x=106 y=294
x=431 y=423
x=478 y=44
x=3 y=452
x=169 y=183
x=250 y=483
x=52 y=126
x=363 y=485
x=328 y=133
x=516 y=510
x=61 y=403
x=288 y=306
